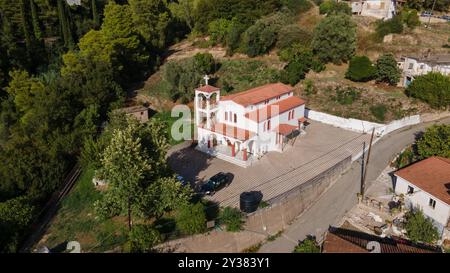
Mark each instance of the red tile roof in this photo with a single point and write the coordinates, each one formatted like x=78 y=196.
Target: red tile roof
x=208 y=88
x=232 y=131
x=259 y=94
x=431 y=175
x=274 y=109
x=341 y=240
x=285 y=129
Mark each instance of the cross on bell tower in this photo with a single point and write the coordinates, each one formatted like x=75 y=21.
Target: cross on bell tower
x=206 y=78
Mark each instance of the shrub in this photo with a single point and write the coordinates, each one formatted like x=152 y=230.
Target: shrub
x=191 y=219
x=297 y=6
x=292 y=34
x=410 y=18
x=326 y=6
x=331 y=7
x=379 y=111
x=232 y=218
x=393 y=25
x=435 y=141
x=309 y=87
x=334 y=39
x=419 y=228
x=261 y=37
x=294 y=72
x=433 y=88
x=204 y=63
x=143 y=238
x=218 y=30
x=360 y=69
x=308 y=245
x=347 y=96
x=387 y=69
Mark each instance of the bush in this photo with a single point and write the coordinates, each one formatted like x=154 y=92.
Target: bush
x=410 y=17
x=419 y=228
x=360 y=69
x=308 y=245
x=393 y=25
x=232 y=218
x=326 y=6
x=331 y=7
x=379 y=111
x=294 y=72
x=387 y=70
x=261 y=37
x=191 y=219
x=292 y=34
x=334 y=39
x=346 y=96
x=435 y=141
x=433 y=88
x=297 y=6
x=204 y=63
x=218 y=30
x=143 y=238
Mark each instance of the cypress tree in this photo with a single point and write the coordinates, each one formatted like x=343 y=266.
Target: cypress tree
x=25 y=24
x=95 y=15
x=35 y=21
x=64 y=24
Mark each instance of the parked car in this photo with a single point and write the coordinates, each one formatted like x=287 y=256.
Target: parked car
x=426 y=14
x=182 y=180
x=216 y=182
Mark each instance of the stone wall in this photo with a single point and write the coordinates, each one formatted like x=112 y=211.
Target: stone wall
x=284 y=208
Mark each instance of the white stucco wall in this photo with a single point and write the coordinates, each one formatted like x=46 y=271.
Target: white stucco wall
x=420 y=200
x=361 y=126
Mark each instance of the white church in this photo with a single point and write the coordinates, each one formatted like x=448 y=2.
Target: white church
x=242 y=127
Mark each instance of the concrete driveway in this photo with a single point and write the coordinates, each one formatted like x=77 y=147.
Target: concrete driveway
x=275 y=173
x=341 y=197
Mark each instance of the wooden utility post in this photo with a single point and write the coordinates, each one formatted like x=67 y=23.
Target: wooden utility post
x=363 y=185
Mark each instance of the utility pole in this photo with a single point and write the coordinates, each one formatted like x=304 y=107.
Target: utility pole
x=363 y=185
x=429 y=17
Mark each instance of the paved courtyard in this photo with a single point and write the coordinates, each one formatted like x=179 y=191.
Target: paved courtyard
x=320 y=148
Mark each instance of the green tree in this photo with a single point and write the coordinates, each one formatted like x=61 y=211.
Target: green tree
x=419 y=228
x=326 y=6
x=185 y=11
x=15 y=216
x=387 y=70
x=259 y=38
x=393 y=25
x=124 y=165
x=151 y=19
x=191 y=218
x=218 y=30
x=164 y=195
x=434 y=142
x=232 y=218
x=204 y=63
x=308 y=245
x=335 y=39
x=143 y=238
x=360 y=69
x=433 y=88
x=95 y=13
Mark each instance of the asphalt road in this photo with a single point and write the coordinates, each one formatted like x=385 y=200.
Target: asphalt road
x=329 y=209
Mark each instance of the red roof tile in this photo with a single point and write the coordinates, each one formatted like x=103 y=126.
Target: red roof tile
x=431 y=175
x=341 y=240
x=232 y=131
x=259 y=94
x=274 y=109
x=285 y=129
x=208 y=88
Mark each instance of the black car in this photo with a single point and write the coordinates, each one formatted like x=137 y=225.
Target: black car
x=216 y=183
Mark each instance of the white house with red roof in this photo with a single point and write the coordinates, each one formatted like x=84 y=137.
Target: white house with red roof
x=243 y=126
x=426 y=186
